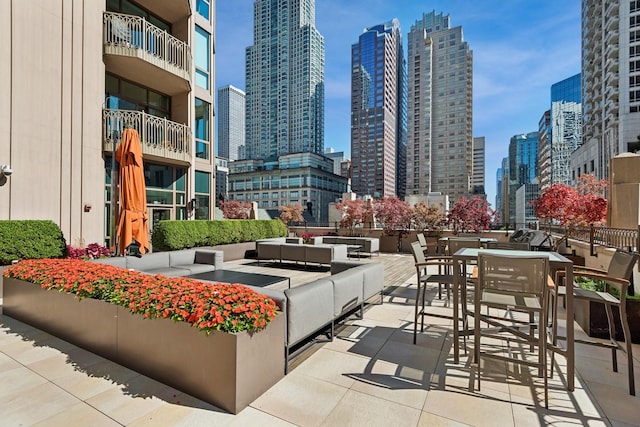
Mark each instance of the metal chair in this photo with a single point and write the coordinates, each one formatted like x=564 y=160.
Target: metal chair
x=427 y=246
x=513 y=246
x=616 y=278
x=518 y=284
x=444 y=265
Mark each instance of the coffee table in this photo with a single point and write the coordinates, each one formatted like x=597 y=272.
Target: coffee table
x=232 y=276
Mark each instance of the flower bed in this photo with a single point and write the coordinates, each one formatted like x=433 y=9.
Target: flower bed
x=238 y=357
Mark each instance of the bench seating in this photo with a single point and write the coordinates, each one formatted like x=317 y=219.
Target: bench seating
x=171 y=264
x=317 y=305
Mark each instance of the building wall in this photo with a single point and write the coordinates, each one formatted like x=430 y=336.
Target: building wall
x=52 y=81
x=477 y=178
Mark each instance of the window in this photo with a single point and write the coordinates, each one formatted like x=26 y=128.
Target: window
x=202 y=128
x=202 y=57
x=203 y=7
x=203 y=190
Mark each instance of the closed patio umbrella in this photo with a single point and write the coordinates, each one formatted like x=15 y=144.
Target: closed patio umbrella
x=133 y=221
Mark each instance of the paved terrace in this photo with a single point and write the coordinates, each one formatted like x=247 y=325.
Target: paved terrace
x=371 y=374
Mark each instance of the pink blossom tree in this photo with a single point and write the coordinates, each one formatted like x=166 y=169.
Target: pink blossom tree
x=234 y=209
x=354 y=213
x=470 y=215
x=291 y=213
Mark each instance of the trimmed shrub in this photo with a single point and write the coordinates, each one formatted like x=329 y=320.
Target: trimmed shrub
x=30 y=239
x=180 y=234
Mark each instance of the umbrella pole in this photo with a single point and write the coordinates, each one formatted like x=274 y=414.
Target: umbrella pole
x=114 y=194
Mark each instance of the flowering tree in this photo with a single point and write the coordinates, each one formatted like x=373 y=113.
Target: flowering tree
x=573 y=207
x=234 y=209
x=470 y=215
x=291 y=213
x=427 y=218
x=354 y=213
x=393 y=214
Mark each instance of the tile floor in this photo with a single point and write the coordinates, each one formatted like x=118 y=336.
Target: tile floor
x=371 y=374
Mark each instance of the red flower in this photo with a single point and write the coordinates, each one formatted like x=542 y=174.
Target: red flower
x=207 y=306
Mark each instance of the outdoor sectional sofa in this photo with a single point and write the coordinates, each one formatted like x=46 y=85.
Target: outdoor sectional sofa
x=284 y=249
x=368 y=245
x=317 y=305
x=172 y=264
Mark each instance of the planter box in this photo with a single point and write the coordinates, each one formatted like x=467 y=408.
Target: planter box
x=592 y=318
x=228 y=370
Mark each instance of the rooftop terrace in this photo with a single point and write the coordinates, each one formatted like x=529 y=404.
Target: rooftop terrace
x=371 y=374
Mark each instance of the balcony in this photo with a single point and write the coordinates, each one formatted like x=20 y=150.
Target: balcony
x=169 y=10
x=161 y=139
x=143 y=53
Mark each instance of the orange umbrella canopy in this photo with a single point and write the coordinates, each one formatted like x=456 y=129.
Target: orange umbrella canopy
x=133 y=221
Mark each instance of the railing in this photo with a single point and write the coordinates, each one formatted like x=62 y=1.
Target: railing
x=129 y=31
x=619 y=238
x=159 y=137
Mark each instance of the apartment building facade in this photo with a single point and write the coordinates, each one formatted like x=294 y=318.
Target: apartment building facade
x=90 y=69
x=284 y=81
x=610 y=84
x=439 y=108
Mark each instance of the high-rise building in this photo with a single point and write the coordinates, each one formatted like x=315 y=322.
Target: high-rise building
x=337 y=157
x=502 y=178
x=610 y=84
x=284 y=81
x=477 y=177
x=85 y=69
x=523 y=167
x=566 y=130
x=378 y=118
x=231 y=122
x=544 y=151
x=439 y=100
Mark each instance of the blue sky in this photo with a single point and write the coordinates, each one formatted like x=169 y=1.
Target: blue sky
x=520 y=48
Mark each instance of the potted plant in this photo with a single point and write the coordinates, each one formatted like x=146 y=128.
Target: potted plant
x=224 y=343
x=394 y=215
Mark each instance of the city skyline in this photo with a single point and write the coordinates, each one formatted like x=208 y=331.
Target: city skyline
x=520 y=49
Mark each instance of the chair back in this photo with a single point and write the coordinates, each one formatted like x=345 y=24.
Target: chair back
x=418 y=253
x=621 y=264
x=513 y=274
x=455 y=244
x=511 y=246
x=422 y=240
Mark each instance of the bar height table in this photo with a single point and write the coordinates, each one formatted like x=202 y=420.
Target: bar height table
x=556 y=262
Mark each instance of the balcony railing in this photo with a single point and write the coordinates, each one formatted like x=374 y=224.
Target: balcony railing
x=619 y=238
x=134 y=36
x=160 y=138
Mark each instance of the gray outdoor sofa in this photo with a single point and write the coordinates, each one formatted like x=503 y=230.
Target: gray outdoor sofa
x=172 y=264
x=316 y=306
x=292 y=249
x=368 y=245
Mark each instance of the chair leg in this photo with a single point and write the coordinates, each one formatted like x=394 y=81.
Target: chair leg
x=629 y=345
x=612 y=337
x=415 y=315
x=424 y=295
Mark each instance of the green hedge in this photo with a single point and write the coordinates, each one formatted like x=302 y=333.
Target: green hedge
x=179 y=234
x=30 y=239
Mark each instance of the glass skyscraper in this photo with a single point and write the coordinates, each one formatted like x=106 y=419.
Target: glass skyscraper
x=284 y=81
x=566 y=128
x=439 y=113
x=378 y=112
x=523 y=166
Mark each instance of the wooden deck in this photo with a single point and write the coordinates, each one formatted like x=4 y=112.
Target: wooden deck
x=398 y=268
